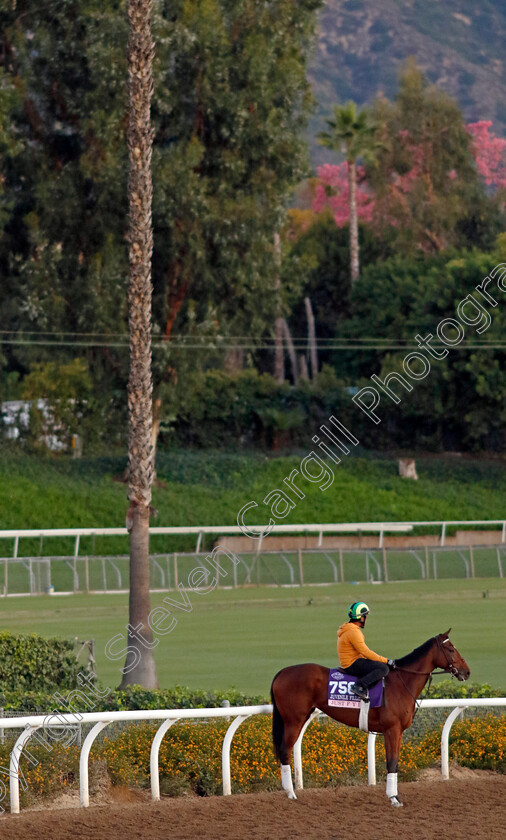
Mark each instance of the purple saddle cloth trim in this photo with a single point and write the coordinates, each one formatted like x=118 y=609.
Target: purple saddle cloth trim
x=339 y=693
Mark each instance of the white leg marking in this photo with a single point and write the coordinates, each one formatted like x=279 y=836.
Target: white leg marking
x=286 y=780
x=392 y=790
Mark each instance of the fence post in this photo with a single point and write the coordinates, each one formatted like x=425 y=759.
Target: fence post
x=471 y=557
x=14 y=765
x=371 y=758
x=297 y=753
x=301 y=571
x=427 y=570
x=225 y=753
x=153 y=758
x=385 y=565
x=341 y=564
x=84 y=792
x=445 y=739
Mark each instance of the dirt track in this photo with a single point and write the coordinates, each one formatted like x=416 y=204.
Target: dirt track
x=459 y=809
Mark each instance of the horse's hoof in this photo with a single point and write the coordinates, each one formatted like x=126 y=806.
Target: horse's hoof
x=395 y=802
x=291 y=796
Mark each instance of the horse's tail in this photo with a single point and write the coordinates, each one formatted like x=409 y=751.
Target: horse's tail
x=278 y=726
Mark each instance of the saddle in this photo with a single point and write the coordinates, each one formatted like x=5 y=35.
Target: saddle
x=341 y=696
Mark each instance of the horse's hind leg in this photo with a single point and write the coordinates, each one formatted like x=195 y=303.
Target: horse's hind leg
x=393 y=737
x=286 y=727
x=294 y=695
x=290 y=735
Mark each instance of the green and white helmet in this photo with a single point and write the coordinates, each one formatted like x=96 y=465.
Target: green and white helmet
x=357 y=610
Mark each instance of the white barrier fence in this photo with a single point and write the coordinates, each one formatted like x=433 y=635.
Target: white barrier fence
x=380 y=528
x=33 y=723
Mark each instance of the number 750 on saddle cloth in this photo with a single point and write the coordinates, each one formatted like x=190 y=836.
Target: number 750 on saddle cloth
x=339 y=693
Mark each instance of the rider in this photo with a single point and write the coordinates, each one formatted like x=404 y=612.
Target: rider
x=355 y=657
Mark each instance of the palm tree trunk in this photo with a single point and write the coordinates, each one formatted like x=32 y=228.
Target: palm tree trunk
x=279 y=352
x=352 y=182
x=290 y=349
x=140 y=665
x=311 y=338
x=279 y=357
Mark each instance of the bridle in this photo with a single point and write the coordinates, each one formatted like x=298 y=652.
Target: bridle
x=451 y=668
x=454 y=671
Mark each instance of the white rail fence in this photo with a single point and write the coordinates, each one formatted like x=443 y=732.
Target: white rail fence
x=380 y=528
x=200 y=531
x=169 y=717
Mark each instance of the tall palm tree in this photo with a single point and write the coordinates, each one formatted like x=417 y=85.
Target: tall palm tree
x=353 y=134
x=140 y=665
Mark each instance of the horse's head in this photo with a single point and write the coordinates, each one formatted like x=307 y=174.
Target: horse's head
x=449 y=659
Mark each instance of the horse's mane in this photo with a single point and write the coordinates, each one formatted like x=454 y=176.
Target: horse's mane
x=415 y=654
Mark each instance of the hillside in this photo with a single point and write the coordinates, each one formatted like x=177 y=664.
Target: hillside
x=202 y=487
x=458 y=44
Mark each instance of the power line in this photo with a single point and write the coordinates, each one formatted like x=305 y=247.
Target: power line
x=39 y=338
x=250 y=344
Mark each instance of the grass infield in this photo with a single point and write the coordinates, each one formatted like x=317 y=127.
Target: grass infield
x=241 y=638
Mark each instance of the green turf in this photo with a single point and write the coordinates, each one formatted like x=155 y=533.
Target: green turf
x=242 y=637
x=206 y=488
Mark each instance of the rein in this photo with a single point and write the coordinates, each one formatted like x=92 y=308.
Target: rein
x=421 y=673
x=449 y=669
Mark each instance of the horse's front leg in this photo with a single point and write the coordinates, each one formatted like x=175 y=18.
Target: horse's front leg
x=393 y=737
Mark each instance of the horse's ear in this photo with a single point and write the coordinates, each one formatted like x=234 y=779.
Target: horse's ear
x=447 y=632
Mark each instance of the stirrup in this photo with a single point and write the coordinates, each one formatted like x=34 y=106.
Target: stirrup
x=360 y=691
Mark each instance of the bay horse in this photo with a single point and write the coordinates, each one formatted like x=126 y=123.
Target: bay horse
x=297 y=690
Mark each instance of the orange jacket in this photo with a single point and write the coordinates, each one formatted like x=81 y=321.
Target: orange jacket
x=351 y=646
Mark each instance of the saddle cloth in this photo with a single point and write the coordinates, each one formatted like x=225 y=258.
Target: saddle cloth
x=339 y=693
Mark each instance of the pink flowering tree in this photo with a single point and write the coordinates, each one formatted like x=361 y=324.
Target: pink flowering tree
x=333 y=191
x=489 y=153
x=404 y=190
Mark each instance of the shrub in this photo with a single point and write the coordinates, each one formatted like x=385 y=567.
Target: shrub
x=453 y=689
x=251 y=409
x=29 y=663
x=133 y=697
x=480 y=743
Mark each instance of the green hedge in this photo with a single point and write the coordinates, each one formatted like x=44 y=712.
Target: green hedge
x=248 y=409
x=181 y=697
x=134 y=697
x=454 y=689
x=33 y=663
